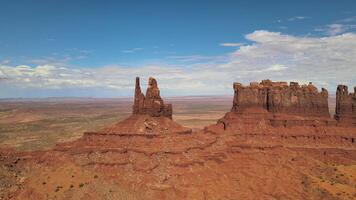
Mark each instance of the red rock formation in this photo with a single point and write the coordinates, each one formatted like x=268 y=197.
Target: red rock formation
x=139 y=98
x=345 y=111
x=151 y=117
x=152 y=104
x=278 y=97
x=156 y=158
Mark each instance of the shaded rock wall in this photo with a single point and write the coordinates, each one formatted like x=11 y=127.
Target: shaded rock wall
x=345 y=110
x=152 y=104
x=279 y=97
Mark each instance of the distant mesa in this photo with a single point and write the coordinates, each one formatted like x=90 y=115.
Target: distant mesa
x=345 y=110
x=279 y=97
x=151 y=104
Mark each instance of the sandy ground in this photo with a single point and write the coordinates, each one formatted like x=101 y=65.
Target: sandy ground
x=40 y=124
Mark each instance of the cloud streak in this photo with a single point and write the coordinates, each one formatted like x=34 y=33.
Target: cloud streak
x=297 y=18
x=335 y=29
x=232 y=44
x=133 y=50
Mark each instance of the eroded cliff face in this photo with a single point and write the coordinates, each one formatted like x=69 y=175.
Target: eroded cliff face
x=345 y=110
x=279 y=97
x=152 y=104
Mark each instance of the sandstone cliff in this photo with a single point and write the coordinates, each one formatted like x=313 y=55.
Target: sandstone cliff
x=345 y=110
x=151 y=104
x=279 y=97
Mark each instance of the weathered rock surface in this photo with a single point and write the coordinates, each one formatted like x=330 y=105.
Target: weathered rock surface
x=144 y=125
x=152 y=104
x=279 y=97
x=151 y=117
x=246 y=156
x=345 y=110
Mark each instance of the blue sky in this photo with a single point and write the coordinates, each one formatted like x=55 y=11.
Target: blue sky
x=96 y=48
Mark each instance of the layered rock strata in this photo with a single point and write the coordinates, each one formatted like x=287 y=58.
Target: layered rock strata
x=280 y=104
x=279 y=97
x=345 y=110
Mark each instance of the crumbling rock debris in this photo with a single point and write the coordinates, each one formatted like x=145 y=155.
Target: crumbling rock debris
x=152 y=104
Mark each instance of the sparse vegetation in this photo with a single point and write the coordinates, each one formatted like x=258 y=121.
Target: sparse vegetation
x=58 y=188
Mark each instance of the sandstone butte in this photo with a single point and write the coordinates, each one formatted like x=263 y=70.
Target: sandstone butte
x=277 y=142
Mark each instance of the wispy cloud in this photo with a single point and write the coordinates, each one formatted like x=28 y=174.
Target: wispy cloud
x=133 y=50
x=4 y=62
x=297 y=18
x=347 y=20
x=61 y=59
x=196 y=58
x=338 y=26
x=325 y=61
x=231 y=44
x=335 y=29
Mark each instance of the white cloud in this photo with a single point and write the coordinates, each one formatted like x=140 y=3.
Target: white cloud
x=276 y=67
x=325 y=61
x=196 y=58
x=231 y=44
x=335 y=29
x=133 y=50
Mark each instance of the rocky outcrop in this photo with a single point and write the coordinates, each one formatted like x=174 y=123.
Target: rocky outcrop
x=151 y=104
x=345 y=110
x=279 y=97
x=150 y=118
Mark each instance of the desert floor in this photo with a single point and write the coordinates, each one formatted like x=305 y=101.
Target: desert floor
x=39 y=124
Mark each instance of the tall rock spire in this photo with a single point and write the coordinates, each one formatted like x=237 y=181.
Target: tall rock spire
x=139 y=98
x=152 y=104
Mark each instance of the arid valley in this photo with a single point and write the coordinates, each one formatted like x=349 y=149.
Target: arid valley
x=38 y=124
x=249 y=152
x=177 y=100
